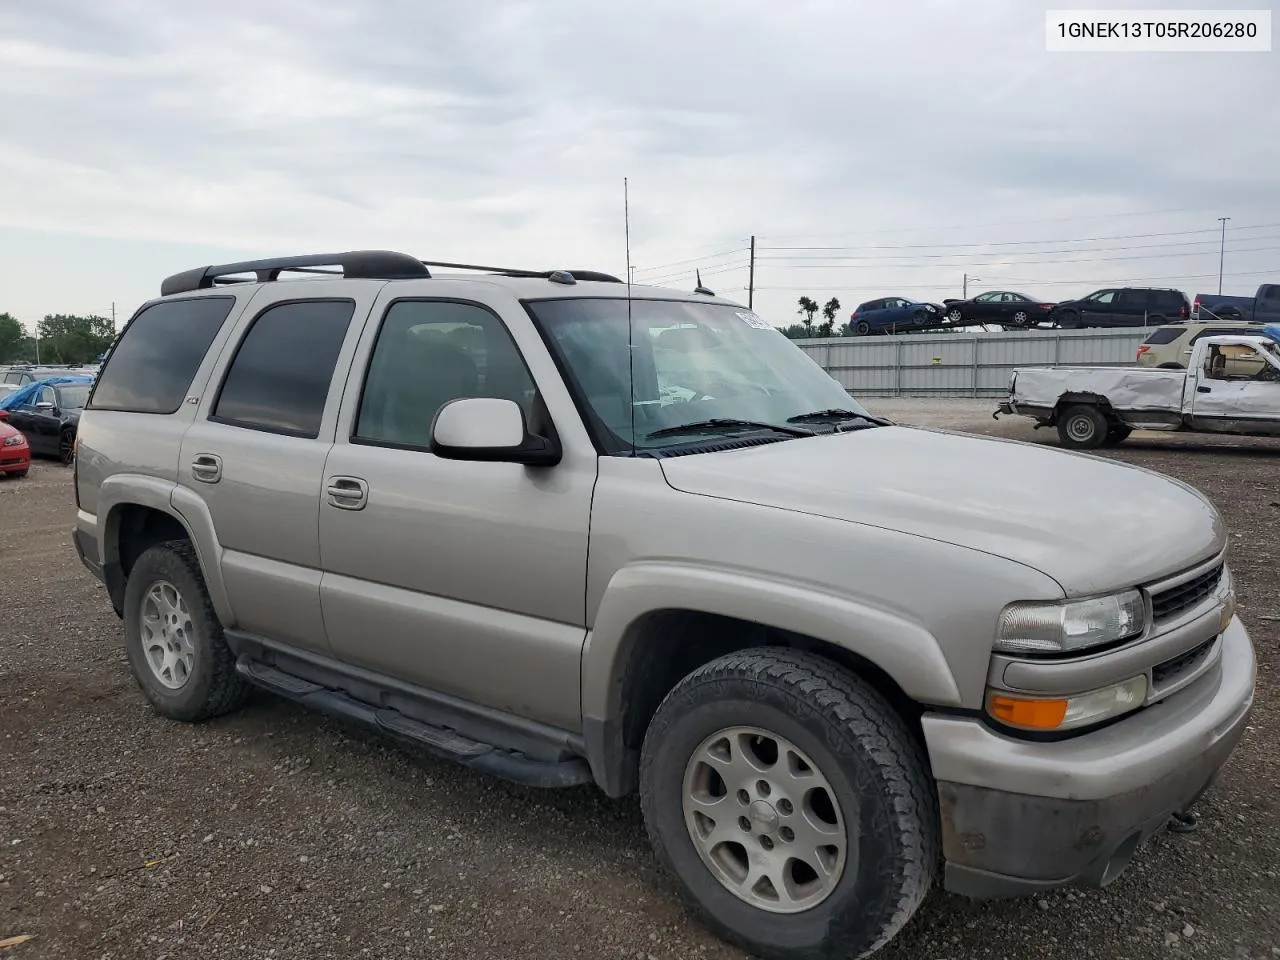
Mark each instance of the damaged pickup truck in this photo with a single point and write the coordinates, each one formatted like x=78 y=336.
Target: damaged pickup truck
x=1231 y=385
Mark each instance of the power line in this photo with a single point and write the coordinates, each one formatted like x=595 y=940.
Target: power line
x=1008 y=282
x=684 y=274
x=676 y=263
x=999 y=262
x=1004 y=223
x=1024 y=243
x=1016 y=253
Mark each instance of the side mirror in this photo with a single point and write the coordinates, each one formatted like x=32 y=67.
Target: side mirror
x=489 y=430
x=45 y=407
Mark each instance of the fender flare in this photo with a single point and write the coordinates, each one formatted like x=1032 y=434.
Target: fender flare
x=167 y=497
x=907 y=652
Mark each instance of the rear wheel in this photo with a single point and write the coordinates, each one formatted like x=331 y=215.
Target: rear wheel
x=174 y=640
x=863 y=328
x=1082 y=427
x=791 y=803
x=67 y=446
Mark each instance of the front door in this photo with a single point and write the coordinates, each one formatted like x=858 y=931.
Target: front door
x=1233 y=403
x=468 y=579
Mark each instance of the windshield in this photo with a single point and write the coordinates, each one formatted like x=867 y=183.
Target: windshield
x=692 y=362
x=74 y=396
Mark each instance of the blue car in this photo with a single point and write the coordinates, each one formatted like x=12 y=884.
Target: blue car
x=893 y=314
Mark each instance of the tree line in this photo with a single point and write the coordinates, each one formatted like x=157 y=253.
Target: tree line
x=809 y=311
x=63 y=338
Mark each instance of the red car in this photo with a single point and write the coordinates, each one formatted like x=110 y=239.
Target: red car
x=15 y=455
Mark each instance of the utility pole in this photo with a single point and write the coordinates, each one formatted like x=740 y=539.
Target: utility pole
x=1222 y=252
x=113 y=316
x=964 y=294
x=751 y=277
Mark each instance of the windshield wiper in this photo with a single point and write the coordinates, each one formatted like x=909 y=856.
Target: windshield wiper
x=718 y=422
x=855 y=420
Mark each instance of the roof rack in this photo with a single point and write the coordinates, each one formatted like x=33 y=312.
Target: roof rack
x=354 y=264
x=557 y=276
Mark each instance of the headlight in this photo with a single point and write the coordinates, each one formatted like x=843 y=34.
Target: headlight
x=1067 y=713
x=1070 y=626
x=16 y=440
x=931 y=308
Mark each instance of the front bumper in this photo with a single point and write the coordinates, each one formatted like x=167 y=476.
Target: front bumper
x=1021 y=816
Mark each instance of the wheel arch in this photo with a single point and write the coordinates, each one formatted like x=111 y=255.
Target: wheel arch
x=660 y=625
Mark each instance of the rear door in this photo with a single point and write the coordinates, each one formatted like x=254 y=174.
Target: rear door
x=1130 y=308
x=256 y=450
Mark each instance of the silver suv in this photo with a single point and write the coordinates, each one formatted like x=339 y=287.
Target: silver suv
x=565 y=531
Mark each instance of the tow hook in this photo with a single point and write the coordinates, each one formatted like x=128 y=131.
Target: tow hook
x=1184 y=821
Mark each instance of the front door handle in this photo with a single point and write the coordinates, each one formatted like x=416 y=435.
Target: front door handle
x=206 y=467
x=1204 y=390
x=347 y=493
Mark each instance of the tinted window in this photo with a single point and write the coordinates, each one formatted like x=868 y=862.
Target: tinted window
x=279 y=379
x=1168 y=300
x=1217 y=332
x=1165 y=335
x=151 y=367
x=1271 y=293
x=987 y=298
x=1132 y=298
x=13 y=378
x=431 y=352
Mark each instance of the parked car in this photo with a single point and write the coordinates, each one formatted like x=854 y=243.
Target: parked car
x=1262 y=307
x=1096 y=406
x=563 y=558
x=19 y=375
x=48 y=412
x=15 y=452
x=891 y=314
x=998 y=306
x=1122 y=307
x=1170 y=346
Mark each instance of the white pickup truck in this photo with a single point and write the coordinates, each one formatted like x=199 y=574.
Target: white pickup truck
x=1231 y=385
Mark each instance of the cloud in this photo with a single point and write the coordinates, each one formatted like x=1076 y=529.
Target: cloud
x=502 y=132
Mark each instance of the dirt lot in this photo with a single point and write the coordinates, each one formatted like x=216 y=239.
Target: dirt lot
x=279 y=833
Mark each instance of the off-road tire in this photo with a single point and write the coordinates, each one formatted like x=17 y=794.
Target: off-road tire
x=874 y=763
x=214 y=687
x=1082 y=426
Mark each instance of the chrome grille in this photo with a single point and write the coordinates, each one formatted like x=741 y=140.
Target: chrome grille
x=1175 y=600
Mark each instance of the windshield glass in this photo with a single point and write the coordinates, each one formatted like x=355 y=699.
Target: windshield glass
x=692 y=362
x=74 y=396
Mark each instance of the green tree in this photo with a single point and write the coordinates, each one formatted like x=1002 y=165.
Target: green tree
x=808 y=309
x=15 y=345
x=65 y=338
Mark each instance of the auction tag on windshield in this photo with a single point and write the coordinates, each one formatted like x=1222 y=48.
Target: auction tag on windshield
x=754 y=320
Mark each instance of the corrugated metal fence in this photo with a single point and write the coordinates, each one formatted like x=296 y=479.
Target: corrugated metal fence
x=962 y=364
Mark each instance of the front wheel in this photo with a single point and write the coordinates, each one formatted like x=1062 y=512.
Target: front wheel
x=954 y=315
x=1068 y=321
x=791 y=803
x=1082 y=427
x=1118 y=433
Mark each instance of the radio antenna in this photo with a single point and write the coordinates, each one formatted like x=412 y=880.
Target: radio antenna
x=631 y=346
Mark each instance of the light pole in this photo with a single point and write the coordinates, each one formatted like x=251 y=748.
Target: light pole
x=1222 y=251
x=965 y=289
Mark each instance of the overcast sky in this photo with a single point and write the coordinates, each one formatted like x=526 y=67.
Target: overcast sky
x=927 y=138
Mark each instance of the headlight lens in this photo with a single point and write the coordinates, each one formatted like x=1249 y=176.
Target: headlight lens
x=1070 y=626
x=16 y=440
x=1067 y=713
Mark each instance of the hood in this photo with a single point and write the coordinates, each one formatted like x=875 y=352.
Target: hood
x=1089 y=523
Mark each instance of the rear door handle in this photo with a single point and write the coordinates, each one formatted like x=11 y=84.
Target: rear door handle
x=347 y=493
x=206 y=467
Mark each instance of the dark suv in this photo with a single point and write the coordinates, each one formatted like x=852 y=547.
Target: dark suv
x=1123 y=307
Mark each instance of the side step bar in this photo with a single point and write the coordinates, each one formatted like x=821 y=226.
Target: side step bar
x=482 y=757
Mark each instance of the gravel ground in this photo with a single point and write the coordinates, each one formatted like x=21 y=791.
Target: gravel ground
x=280 y=833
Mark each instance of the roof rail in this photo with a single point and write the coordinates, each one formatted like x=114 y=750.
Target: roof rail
x=355 y=264
x=560 y=276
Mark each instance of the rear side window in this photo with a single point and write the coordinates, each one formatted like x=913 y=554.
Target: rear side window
x=279 y=379
x=150 y=369
x=1168 y=300
x=1164 y=335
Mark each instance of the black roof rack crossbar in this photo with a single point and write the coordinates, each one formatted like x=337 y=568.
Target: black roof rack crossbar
x=584 y=275
x=355 y=264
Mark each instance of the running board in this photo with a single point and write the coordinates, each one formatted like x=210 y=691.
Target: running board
x=482 y=757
